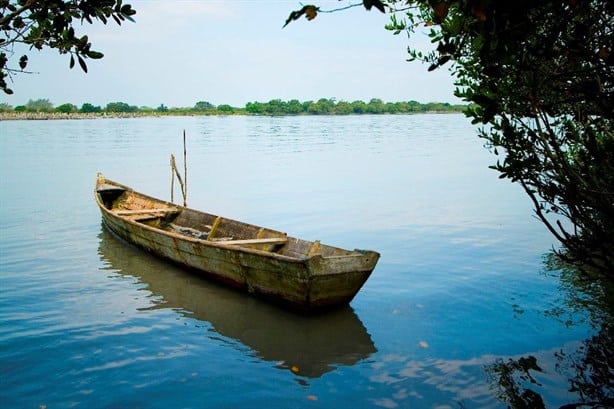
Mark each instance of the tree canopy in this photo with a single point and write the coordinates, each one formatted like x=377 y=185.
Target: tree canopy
x=539 y=76
x=51 y=24
x=323 y=106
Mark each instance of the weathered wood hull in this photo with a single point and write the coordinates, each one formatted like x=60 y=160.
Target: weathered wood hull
x=305 y=275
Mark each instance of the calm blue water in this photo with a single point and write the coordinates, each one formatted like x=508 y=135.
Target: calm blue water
x=86 y=321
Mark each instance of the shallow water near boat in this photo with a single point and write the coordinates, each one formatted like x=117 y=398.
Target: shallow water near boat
x=88 y=321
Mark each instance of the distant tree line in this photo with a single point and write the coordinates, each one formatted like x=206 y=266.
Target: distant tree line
x=274 y=107
x=325 y=106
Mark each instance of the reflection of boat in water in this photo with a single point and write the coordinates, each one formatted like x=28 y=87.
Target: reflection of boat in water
x=307 y=345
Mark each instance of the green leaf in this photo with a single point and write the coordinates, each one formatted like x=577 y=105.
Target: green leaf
x=127 y=10
x=82 y=63
x=72 y=62
x=18 y=23
x=374 y=3
x=95 y=55
x=443 y=60
x=82 y=42
x=23 y=61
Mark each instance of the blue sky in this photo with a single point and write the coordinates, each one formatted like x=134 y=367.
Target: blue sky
x=232 y=52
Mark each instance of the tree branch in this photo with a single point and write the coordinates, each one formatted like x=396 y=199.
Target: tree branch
x=14 y=14
x=341 y=8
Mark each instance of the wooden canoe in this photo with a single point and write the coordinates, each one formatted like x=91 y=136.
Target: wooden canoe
x=306 y=275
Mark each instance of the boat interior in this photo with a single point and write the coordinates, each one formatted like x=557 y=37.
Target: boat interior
x=203 y=226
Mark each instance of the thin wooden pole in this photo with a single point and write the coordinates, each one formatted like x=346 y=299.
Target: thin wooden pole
x=185 y=173
x=181 y=184
x=172 y=177
x=175 y=172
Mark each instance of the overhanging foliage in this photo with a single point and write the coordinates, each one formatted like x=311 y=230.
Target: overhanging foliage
x=540 y=76
x=51 y=24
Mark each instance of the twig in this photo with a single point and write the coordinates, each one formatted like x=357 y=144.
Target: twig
x=174 y=169
x=341 y=8
x=5 y=19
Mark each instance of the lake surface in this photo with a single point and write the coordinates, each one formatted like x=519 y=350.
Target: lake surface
x=87 y=321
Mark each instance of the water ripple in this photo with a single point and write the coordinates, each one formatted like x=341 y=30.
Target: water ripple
x=89 y=322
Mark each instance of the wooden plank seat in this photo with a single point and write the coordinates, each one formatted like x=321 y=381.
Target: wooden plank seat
x=127 y=212
x=267 y=240
x=140 y=215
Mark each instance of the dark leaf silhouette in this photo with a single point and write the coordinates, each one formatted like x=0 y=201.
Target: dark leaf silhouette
x=309 y=11
x=374 y=3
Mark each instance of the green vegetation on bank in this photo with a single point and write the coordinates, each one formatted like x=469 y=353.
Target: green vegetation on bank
x=274 y=107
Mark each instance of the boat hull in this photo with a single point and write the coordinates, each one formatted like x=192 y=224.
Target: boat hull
x=309 y=282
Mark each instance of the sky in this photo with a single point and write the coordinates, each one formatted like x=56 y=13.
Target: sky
x=232 y=52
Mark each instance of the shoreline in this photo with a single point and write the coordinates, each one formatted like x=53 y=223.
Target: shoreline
x=51 y=116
